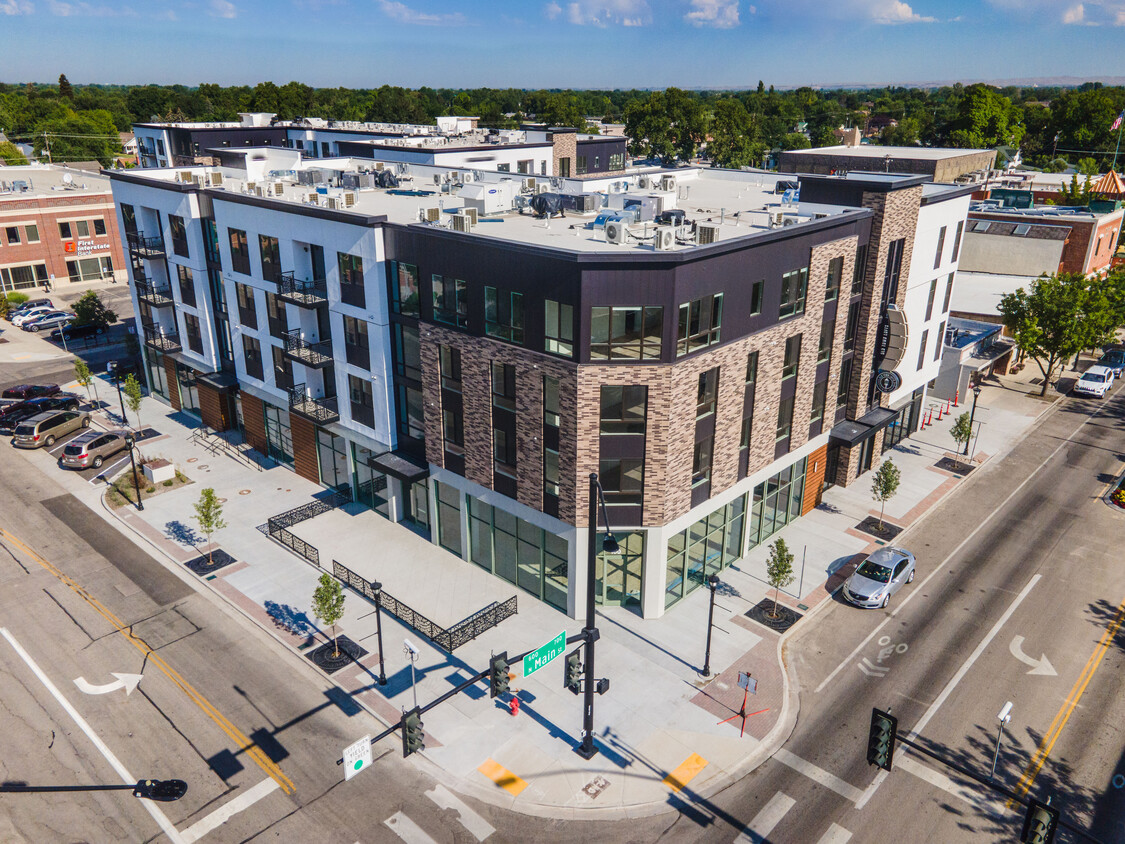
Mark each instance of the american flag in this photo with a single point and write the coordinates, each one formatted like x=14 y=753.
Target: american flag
x=1117 y=122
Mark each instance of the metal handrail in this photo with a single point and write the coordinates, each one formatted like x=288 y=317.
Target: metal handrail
x=305 y=291
x=313 y=353
x=153 y=290
x=137 y=242
x=320 y=409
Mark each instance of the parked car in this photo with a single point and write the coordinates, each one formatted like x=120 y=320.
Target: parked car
x=92 y=448
x=27 y=316
x=30 y=304
x=30 y=391
x=1113 y=359
x=11 y=416
x=76 y=332
x=1095 y=381
x=878 y=577
x=49 y=320
x=45 y=428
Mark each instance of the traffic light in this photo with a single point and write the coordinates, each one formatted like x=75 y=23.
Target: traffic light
x=1039 y=824
x=498 y=674
x=881 y=742
x=573 y=678
x=412 y=735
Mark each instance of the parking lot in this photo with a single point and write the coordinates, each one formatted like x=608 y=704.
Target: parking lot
x=109 y=469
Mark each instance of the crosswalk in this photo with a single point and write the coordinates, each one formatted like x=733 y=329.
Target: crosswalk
x=769 y=816
x=411 y=833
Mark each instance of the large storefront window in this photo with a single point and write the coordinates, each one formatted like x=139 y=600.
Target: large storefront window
x=449 y=517
x=521 y=553
x=618 y=576
x=371 y=487
x=705 y=548
x=189 y=389
x=777 y=502
x=157 y=375
x=905 y=424
x=278 y=436
x=332 y=452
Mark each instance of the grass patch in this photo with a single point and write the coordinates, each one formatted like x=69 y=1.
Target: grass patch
x=122 y=489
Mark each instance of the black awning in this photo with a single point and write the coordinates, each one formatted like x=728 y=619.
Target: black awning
x=849 y=433
x=398 y=465
x=878 y=418
x=220 y=380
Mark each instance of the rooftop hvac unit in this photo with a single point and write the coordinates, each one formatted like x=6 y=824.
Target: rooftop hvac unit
x=216 y=180
x=665 y=238
x=250 y=187
x=642 y=182
x=378 y=165
x=706 y=233
x=668 y=183
x=529 y=185
x=278 y=188
x=332 y=202
x=185 y=176
x=471 y=213
x=349 y=198
x=776 y=219
x=615 y=232
x=197 y=180
x=541 y=188
x=461 y=222
x=789 y=221
x=433 y=215
x=259 y=190
x=314 y=198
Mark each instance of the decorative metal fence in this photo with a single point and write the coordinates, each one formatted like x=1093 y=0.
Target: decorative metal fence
x=277 y=525
x=447 y=639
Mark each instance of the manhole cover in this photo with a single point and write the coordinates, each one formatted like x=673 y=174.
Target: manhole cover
x=193 y=460
x=244 y=492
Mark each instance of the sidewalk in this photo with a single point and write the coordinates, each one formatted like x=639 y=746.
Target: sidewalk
x=656 y=727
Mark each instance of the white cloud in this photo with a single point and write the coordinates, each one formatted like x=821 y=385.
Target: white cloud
x=404 y=14
x=1074 y=14
x=602 y=13
x=1086 y=13
x=721 y=14
x=223 y=9
x=15 y=7
x=68 y=10
x=892 y=12
x=552 y=10
x=883 y=12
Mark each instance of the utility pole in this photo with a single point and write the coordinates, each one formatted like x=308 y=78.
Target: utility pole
x=47 y=146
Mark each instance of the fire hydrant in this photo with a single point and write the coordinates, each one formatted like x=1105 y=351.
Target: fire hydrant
x=514 y=706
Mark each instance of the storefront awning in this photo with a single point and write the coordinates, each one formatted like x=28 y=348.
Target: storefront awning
x=849 y=433
x=878 y=418
x=398 y=465
x=220 y=380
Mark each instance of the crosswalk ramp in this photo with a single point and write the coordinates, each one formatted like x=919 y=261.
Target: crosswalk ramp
x=410 y=832
x=759 y=829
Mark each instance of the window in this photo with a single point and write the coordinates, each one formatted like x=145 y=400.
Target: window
x=449 y=517
x=757 y=292
x=617 y=161
x=453 y=432
x=860 y=269
x=940 y=247
x=747 y=430
x=701 y=462
x=940 y=340
x=276 y=317
x=363 y=405
x=99 y=227
x=564 y=168
x=64 y=228
x=622 y=480
x=179 y=235
x=824 y=349
x=13 y=233
x=626 y=333
x=851 y=327
x=845 y=382
x=87 y=269
x=449 y=361
x=891 y=274
x=550 y=472
x=794 y=288
x=525 y=166
x=187 y=285
x=128 y=216
x=930 y=300
x=247 y=313
x=503 y=453
x=405 y=289
x=581 y=167
x=503 y=386
x=948 y=294
x=705 y=548
x=503 y=314
x=32 y=232
x=623 y=409
x=451 y=301
x=792 y=357
x=82 y=227
x=957 y=241
x=409 y=413
x=239 y=251
x=408 y=351
x=751 y=367
x=922 y=349
x=357 y=349
x=195 y=340
x=551 y=401
x=835 y=273
x=252 y=351
x=270 y=256
x=504 y=168
x=558 y=328
x=351 y=279
x=707 y=393
x=282 y=369
x=820 y=393
x=700 y=322
x=784 y=418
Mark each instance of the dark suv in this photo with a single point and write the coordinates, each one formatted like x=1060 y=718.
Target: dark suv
x=13 y=414
x=30 y=391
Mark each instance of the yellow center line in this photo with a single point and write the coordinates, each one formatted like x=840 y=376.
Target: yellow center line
x=1068 y=707
x=271 y=768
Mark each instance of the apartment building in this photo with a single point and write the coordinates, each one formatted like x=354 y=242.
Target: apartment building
x=459 y=358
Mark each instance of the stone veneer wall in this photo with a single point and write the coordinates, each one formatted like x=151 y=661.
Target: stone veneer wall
x=565 y=145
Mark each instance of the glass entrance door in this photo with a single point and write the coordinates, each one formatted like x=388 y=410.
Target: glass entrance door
x=619 y=575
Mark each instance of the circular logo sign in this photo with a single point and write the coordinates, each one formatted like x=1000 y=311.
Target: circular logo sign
x=887 y=382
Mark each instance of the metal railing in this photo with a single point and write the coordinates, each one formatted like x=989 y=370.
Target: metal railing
x=155 y=294
x=448 y=639
x=310 y=354
x=277 y=526
x=145 y=247
x=162 y=341
x=319 y=410
x=299 y=292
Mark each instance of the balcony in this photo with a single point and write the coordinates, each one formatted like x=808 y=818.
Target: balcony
x=157 y=295
x=162 y=341
x=305 y=294
x=144 y=247
x=322 y=411
x=313 y=355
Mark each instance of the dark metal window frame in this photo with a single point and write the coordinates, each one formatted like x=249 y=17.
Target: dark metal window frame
x=239 y=251
x=794 y=293
x=700 y=324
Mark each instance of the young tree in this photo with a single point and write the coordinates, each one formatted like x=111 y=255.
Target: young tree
x=884 y=485
x=133 y=396
x=209 y=514
x=1048 y=321
x=90 y=310
x=328 y=605
x=85 y=378
x=779 y=570
x=961 y=432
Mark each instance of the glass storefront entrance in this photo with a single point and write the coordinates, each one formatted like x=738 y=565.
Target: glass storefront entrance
x=706 y=548
x=777 y=502
x=189 y=389
x=157 y=374
x=278 y=436
x=618 y=576
x=905 y=424
x=332 y=454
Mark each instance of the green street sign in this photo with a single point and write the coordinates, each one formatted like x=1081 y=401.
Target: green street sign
x=543 y=655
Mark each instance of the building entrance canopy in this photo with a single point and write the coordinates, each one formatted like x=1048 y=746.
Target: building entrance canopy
x=849 y=433
x=398 y=466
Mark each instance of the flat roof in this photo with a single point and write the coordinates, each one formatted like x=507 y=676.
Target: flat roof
x=980 y=293
x=873 y=151
x=51 y=180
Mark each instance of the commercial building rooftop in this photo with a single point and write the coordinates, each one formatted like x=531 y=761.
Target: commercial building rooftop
x=873 y=151
x=35 y=180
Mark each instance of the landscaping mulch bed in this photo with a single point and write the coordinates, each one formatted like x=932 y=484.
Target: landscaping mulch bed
x=221 y=560
x=958 y=467
x=146 y=434
x=786 y=617
x=324 y=658
x=871 y=525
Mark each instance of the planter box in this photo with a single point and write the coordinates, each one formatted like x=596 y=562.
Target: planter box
x=158 y=471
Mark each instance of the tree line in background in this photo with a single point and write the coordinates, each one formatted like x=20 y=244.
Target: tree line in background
x=1053 y=126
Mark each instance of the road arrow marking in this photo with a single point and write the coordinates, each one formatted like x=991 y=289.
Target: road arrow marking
x=1042 y=666
x=871 y=669
x=128 y=682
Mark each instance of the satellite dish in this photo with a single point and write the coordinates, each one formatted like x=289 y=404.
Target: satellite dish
x=68 y=179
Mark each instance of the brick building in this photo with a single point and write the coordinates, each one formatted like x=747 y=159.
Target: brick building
x=463 y=374
x=57 y=228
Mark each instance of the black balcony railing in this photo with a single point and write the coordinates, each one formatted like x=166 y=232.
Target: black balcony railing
x=308 y=294
x=144 y=247
x=158 y=295
x=162 y=341
x=314 y=355
x=319 y=410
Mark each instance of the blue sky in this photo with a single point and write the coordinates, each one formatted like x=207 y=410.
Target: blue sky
x=559 y=43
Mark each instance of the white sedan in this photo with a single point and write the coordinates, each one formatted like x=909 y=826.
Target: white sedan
x=28 y=316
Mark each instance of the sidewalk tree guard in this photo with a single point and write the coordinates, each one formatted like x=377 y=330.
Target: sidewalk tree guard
x=884 y=485
x=209 y=514
x=779 y=570
x=328 y=606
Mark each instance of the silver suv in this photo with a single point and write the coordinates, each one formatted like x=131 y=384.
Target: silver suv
x=92 y=448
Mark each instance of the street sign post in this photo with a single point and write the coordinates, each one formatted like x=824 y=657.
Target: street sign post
x=357 y=757
x=745 y=681
x=543 y=655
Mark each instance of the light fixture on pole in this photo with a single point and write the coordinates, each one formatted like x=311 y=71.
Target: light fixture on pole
x=972 y=415
x=114 y=366
x=130 y=442
x=162 y=791
x=412 y=654
x=712 y=583
x=1003 y=716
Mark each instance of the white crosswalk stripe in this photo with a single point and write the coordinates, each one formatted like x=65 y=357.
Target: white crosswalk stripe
x=764 y=822
x=474 y=823
x=407 y=830
x=836 y=835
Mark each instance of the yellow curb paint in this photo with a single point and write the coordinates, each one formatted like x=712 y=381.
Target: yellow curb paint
x=502 y=777
x=687 y=771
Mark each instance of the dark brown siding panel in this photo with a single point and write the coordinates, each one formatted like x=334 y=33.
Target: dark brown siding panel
x=814 y=479
x=213 y=408
x=254 y=422
x=173 y=382
x=304 y=448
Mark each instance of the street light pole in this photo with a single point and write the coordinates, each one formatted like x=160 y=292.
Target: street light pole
x=972 y=415
x=378 y=587
x=162 y=791
x=713 y=583
x=117 y=380
x=130 y=442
